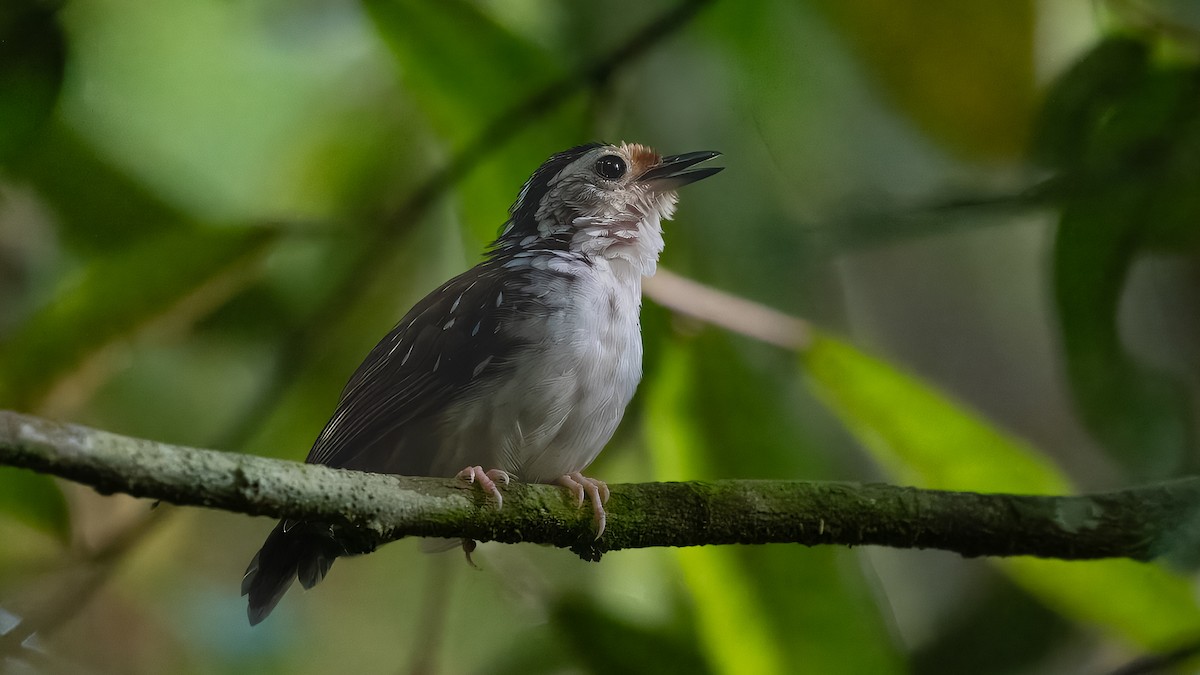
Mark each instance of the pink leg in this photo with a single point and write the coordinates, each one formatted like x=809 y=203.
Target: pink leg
x=595 y=490
x=487 y=480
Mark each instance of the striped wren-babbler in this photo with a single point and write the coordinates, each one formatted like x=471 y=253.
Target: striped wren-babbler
x=520 y=367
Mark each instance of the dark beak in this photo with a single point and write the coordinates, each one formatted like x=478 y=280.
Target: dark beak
x=672 y=172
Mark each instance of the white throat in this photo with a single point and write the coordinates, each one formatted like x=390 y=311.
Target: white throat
x=630 y=237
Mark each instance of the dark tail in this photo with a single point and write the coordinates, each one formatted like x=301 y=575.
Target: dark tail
x=292 y=550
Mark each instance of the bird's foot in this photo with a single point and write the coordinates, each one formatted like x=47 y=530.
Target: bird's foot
x=487 y=480
x=595 y=490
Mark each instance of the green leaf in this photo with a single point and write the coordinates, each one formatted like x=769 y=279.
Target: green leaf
x=1141 y=416
x=1147 y=605
x=758 y=609
x=462 y=67
x=98 y=207
x=464 y=70
x=1124 y=133
x=924 y=438
x=34 y=499
x=1000 y=631
x=604 y=643
x=963 y=70
x=1083 y=96
x=179 y=273
x=32 y=57
x=919 y=435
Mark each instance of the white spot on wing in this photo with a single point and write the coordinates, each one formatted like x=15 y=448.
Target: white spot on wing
x=407 y=354
x=437 y=363
x=475 y=330
x=479 y=368
x=456 y=301
x=499 y=298
x=448 y=325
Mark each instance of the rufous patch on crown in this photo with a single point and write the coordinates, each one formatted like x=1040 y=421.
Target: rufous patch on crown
x=641 y=157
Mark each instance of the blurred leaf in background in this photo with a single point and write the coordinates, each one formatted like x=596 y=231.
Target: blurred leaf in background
x=117 y=295
x=35 y=500
x=961 y=69
x=1123 y=133
x=32 y=57
x=928 y=441
x=759 y=609
x=465 y=69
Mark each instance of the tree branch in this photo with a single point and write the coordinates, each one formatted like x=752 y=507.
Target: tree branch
x=366 y=510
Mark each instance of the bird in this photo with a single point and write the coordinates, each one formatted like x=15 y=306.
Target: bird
x=519 y=368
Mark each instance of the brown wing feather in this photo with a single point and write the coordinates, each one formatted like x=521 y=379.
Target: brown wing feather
x=384 y=420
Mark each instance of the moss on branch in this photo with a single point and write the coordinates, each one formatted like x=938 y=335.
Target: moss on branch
x=366 y=510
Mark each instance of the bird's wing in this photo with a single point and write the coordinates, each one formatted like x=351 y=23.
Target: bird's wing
x=434 y=354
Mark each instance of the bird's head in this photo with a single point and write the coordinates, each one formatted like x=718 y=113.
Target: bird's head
x=601 y=201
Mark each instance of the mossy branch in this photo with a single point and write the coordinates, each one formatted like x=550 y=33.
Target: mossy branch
x=366 y=510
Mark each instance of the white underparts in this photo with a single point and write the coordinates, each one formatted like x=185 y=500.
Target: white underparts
x=565 y=392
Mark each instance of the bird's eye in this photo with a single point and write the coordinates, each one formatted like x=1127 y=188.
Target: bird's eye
x=610 y=167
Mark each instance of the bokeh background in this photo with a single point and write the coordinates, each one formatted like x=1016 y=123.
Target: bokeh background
x=211 y=209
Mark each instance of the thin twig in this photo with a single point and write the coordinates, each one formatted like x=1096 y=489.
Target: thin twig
x=727 y=311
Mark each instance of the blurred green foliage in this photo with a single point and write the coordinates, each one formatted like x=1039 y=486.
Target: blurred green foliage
x=210 y=210
x=112 y=297
x=34 y=500
x=709 y=416
x=927 y=440
x=966 y=72
x=463 y=69
x=33 y=54
x=1123 y=133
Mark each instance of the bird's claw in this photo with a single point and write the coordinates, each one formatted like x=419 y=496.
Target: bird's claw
x=487 y=480
x=595 y=490
x=468 y=547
